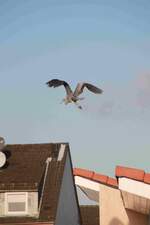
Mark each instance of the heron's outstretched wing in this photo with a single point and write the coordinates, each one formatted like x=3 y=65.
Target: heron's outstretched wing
x=56 y=83
x=90 y=87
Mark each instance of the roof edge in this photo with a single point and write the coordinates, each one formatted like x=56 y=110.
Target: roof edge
x=99 y=178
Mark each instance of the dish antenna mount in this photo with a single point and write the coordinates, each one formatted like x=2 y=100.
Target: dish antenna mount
x=2 y=143
x=2 y=155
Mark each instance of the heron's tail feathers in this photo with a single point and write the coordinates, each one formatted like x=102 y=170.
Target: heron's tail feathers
x=82 y=98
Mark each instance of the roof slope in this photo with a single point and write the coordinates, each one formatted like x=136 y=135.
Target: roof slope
x=25 y=170
x=120 y=171
x=97 y=177
x=90 y=214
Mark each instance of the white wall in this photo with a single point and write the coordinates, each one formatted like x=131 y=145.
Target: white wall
x=33 y=203
x=113 y=212
x=134 y=187
x=67 y=212
x=2 y=204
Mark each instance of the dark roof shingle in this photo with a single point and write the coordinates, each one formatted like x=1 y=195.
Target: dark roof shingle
x=89 y=214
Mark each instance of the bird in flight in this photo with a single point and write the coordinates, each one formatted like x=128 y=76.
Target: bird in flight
x=73 y=96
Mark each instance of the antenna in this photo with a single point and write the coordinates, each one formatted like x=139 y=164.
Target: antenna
x=2 y=155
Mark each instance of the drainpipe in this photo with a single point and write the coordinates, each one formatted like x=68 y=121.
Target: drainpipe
x=48 y=160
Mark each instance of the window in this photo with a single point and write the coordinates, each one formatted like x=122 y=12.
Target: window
x=16 y=203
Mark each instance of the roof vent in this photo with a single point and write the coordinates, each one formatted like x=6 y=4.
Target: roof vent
x=61 y=152
x=2 y=155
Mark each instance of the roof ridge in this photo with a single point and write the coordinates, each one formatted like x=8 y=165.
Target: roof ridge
x=40 y=143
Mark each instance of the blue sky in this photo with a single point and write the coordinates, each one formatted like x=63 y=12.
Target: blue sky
x=106 y=43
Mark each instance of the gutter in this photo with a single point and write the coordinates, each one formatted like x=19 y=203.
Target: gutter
x=48 y=160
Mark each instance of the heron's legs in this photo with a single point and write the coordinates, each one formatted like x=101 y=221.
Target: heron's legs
x=79 y=106
x=65 y=101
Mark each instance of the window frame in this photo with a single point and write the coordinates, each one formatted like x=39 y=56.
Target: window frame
x=16 y=213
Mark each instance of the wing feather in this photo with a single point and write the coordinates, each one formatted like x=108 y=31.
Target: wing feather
x=56 y=83
x=80 y=87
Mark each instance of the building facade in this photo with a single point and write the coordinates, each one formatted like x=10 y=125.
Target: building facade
x=37 y=186
x=123 y=200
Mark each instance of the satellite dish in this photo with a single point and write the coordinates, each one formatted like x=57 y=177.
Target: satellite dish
x=2 y=143
x=2 y=159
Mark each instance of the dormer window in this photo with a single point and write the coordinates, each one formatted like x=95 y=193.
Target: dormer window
x=16 y=203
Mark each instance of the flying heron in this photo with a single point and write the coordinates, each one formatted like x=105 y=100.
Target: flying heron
x=73 y=96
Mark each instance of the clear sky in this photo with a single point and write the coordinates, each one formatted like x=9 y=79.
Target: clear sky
x=104 y=42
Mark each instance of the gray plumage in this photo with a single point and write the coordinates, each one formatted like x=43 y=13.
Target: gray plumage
x=70 y=95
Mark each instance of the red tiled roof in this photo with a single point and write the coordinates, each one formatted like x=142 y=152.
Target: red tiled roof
x=95 y=177
x=112 y=181
x=147 y=178
x=133 y=173
x=100 y=178
x=121 y=171
x=83 y=173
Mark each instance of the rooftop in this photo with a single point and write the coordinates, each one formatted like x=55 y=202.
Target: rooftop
x=24 y=171
x=97 y=177
x=121 y=171
x=134 y=185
